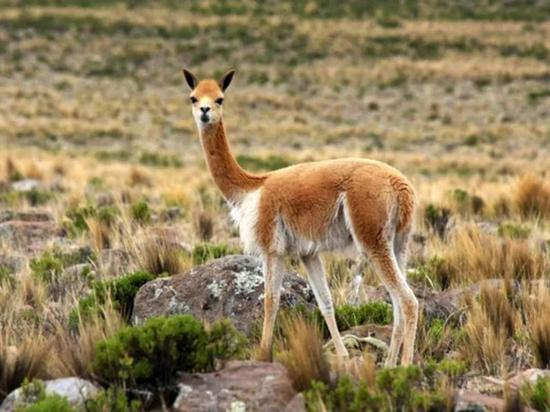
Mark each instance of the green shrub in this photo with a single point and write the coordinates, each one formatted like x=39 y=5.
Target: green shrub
x=77 y=219
x=47 y=267
x=6 y=275
x=51 y=403
x=121 y=291
x=204 y=252
x=51 y=263
x=347 y=316
x=537 y=396
x=113 y=399
x=152 y=354
x=398 y=389
x=141 y=212
x=513 y=230
x=35 y=399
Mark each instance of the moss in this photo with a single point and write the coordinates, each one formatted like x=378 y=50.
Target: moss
x=152 y=354
x=204 y=252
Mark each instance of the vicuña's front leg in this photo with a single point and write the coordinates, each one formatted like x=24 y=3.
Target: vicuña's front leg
x=273 y=279
x=318 y=282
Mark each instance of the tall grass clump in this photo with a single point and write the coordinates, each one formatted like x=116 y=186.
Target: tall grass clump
x=532 y=196
x=302 y=351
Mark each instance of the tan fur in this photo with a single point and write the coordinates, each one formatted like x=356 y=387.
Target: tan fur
x=311 y=207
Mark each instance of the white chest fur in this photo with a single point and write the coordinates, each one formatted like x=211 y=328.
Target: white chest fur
x=245 y=215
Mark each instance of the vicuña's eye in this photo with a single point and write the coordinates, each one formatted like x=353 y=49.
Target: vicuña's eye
x=194 y=99
x=219 y=101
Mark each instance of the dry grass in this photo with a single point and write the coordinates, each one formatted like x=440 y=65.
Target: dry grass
x=302 y=352
x=532 y=196
x=72 y=353
x=24 y=359
x=158 y=253
x=471 y=255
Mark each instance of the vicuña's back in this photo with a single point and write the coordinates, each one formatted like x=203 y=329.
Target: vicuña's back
x=310 y=208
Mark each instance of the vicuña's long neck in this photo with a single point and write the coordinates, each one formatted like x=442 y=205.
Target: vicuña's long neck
x=230 y=178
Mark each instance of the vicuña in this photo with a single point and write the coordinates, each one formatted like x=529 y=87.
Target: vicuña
x=310 y=208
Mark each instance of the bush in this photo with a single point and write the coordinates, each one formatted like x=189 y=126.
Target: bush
x=204 y=252
x=537 y=396
x=35 y=399
x=398 y=389
x=347 y=316
x=141 y=212
x=47 y=267
x=113 y=399
x=121 y=291
x=152 y=354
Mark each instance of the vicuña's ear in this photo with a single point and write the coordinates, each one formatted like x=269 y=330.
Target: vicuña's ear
x=190 y=78
x=226 y=80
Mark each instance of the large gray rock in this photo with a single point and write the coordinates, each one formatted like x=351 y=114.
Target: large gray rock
x=241 y=386
x=76 y=390
x=230 y=287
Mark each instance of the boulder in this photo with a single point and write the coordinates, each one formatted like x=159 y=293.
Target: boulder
x=76 y=390
x=230 y=287
x=240 y=386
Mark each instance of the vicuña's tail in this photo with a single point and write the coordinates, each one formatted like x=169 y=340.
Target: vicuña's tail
x=406 y=198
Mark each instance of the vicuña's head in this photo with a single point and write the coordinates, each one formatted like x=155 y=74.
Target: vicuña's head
x=207 y=97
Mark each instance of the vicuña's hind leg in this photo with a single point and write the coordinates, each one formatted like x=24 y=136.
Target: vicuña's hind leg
x=400 y=291
x=318 y=282
x=400 y=248
x=273 y=279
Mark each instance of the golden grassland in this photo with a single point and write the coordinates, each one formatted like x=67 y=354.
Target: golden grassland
x=93 y=103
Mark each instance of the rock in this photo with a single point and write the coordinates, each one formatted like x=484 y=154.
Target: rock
x=13 y=263
x=486 y=385
x=26 y=185
x=29 y=216
x=76 y=390
x=230 y=287
x=113 y=262
x=28 y=231
x=240 y=386
x=471 y=401
x=529 y=376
